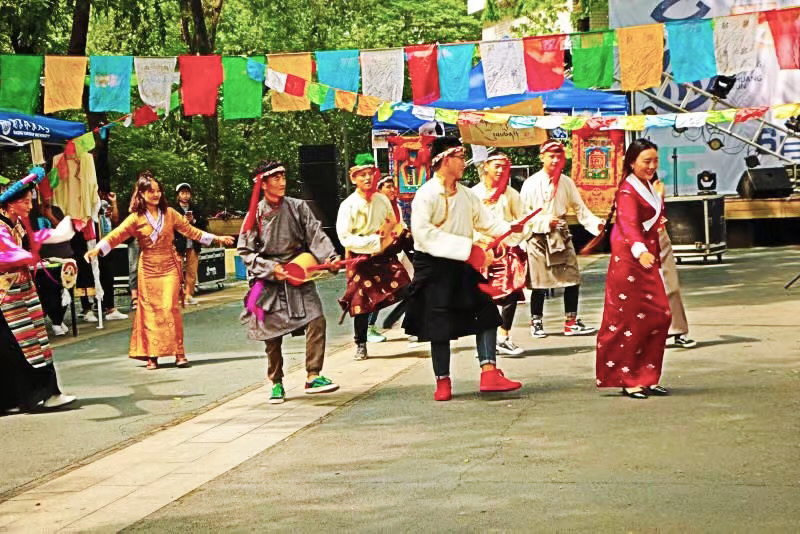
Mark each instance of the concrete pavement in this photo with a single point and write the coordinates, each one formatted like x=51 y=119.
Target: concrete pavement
x=719 y=455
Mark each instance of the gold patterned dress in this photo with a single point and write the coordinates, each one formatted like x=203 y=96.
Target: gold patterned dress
x=157 y=325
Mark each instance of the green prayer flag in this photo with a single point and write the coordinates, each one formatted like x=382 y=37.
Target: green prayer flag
x=318 y=92
x=19 y=83
x=174 y=100
x=84 y=143
x=573 y=123
x=593 y=59
x=449 y=116
x=241 y=95
x=723 y=115
x=53 y=178
x=385 y=111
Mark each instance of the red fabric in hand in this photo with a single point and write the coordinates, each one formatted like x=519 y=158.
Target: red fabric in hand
x=477 y=258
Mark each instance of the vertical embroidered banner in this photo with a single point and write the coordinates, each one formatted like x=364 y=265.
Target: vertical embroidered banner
x=155 y=76
x=641 y=56
x=593 y=59
x=424 y=72
x=338 y=69
x=504 y=68
x=544 y=62
x=241 y=94
x=454 y=63
x=597 y=158
x=784 y=25
x=63 y=82
x=19 y=88
x=201 y=77
x=691 y=50
x=735 y=44
x=298 y=65
x=110 y=83
x=383 y=73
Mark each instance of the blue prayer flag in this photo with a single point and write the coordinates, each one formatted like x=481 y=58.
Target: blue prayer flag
x=338 y=69
x=659 y=121
x=110 y=83
x=691 y=50
x=256 y=70
x=455 y=65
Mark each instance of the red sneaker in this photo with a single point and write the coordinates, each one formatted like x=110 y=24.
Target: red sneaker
x=495 y=380
x=443 y=390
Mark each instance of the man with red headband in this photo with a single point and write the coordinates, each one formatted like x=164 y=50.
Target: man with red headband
x=275 y=230
x=445 y=300
x=508 y=270
x=552 y=261
x=368 y=229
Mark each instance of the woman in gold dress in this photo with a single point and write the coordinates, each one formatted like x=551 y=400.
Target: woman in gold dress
x=157 y=325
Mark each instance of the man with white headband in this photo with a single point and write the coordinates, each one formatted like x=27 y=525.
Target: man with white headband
x=552 y=261
x=275 y=230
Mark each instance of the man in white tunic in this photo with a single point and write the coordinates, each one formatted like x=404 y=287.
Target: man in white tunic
x=445 y=299
x=552 y=261
x=369 y=230
x=508 y=270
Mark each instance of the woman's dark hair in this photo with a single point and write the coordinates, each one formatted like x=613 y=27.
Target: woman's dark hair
x=144 y=182
x=633 y=151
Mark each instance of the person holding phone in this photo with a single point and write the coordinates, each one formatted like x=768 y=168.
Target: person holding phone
x=188 y=249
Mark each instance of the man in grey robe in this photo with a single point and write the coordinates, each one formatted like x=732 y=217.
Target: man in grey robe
x=276 y=230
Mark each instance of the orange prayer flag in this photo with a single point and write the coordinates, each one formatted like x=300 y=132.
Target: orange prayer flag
x=345 y=100
x=298 y=65
x=63 y=82
x=641 y=56
x=368 y=105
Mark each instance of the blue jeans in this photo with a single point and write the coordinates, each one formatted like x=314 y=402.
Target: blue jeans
x=486 y=344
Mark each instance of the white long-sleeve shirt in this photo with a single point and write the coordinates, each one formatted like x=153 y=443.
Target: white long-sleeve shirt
x=538 y=191
x=508 y=207
x=358 y=222
x=442 y=225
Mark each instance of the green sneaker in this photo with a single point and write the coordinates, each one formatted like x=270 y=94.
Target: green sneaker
x=373 y=336
x=320 y=385
x=278 y=394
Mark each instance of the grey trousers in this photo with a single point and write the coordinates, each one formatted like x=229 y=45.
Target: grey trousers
x=315 y=351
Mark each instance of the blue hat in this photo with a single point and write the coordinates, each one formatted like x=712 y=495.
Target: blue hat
x=20 y=187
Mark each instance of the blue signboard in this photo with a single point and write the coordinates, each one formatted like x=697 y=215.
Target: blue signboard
x=28 y=127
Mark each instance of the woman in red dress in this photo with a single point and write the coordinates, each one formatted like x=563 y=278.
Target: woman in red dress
x=636 y=316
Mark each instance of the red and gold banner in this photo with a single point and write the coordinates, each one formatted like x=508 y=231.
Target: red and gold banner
x=597 y=158
x=410 y=162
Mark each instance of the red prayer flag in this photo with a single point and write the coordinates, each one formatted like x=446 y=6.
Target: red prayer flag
x=785 y=27
x=544 y=62
x=746 y=114
x=424 y=72
x=295 y=85
x=144 y=115
x=469 y=117
x=201 y=77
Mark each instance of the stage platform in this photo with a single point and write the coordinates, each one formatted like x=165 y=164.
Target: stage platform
x=737 y=208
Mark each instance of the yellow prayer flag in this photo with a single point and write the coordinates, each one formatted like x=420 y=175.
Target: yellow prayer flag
x=368 y=105
x=299 y=65
x=641 y=56
x=496 y=118
x=63 y=82
x=631 y=122
x=784 y=111
x=345 y=100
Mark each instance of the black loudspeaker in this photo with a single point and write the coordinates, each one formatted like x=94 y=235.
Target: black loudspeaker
x=320 y=185
x=771 y=182
x=688 y=222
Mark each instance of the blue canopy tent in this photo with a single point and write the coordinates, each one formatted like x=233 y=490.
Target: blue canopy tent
x=20 y=127
x=566 y=100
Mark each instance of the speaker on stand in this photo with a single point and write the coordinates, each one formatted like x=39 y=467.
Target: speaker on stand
x=771 y=182
x=320 y=185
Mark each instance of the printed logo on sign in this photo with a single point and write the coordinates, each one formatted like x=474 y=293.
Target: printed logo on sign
x=6 y=127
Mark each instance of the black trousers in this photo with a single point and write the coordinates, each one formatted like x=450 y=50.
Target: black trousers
x=508 y=307
x=360 y=325
x=571 y=294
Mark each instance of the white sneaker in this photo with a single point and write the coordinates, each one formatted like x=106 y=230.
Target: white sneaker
x=507 y=346
x=57 y=401
x=413 y=342
x=60 y=329
x=192 y=301
x=115 y=315
x=90 y=317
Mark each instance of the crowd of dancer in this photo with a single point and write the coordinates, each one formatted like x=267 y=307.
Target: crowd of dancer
x=459 y=270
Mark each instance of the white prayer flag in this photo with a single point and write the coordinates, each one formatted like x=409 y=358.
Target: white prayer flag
x=550 y=122
x=425 y=113
x=383 y=73
x=735 y=43
x=691 y=120
x=155 y=77
x=504 y=68
x=276 y=80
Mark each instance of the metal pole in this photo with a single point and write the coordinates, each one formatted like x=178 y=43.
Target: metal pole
x=346 y=154
x=675 y=171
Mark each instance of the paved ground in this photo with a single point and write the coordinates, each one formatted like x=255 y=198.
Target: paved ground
x=719 y=455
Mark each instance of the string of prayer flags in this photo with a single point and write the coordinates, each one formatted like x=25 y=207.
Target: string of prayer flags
x=454 y=64
x=383 y=73
x=504 y=67
x=345 y=100
x=735 y=44
x=544 y=62
x=367 y=105
x=641 y=54
x=63 y=82
x=424 y=72
x=691 y=50
x=110 y=83
x=155 y=77
x=339 y=69
x=593 y=60
x=300 y=65
x=19 y=90
x=784 y=24
x=241 y=93
x=201 y=77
